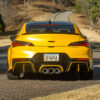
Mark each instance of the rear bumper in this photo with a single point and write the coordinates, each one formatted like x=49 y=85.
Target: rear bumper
x=34 y=58
x=36 y=64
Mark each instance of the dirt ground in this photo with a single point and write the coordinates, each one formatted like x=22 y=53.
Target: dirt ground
x=34 y=11
x=88 y=93
x=5 y=42
x=83 y=23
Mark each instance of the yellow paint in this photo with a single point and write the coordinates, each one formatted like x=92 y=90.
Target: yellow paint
x=41 y=45
x=23 y=67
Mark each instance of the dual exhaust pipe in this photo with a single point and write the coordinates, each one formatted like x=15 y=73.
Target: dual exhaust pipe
x=51 y=71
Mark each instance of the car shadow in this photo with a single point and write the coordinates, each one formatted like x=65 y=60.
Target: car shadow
x=63 y=77
x=4 y=49
x=60 y=77
x=96 y=73
x=96 y=61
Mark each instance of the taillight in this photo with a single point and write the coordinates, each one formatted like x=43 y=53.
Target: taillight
x=21 y=43
x=81 y=43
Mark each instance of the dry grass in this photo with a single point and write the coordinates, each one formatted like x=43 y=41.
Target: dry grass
x=88 y=93
x=80 y=20
x=26 y=14
x=83 y=23
x=34 y=11
x=5 y=42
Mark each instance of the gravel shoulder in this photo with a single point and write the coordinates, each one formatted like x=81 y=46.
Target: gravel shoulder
x=5 y=42
x=88 y=93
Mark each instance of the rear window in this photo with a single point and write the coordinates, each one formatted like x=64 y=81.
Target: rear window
x=56 y=29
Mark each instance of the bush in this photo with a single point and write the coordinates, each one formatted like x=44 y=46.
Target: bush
x=77 y=7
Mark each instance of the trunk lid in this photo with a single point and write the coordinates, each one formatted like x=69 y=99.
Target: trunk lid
x=51 y=39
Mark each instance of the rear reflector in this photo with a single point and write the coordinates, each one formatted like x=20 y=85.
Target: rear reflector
x=82 y=59
x=18 y=59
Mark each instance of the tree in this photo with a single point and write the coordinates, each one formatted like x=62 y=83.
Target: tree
x=99 y=13
x=90 y=8
x=53 y=1
x=2 y=25
x=78 y=6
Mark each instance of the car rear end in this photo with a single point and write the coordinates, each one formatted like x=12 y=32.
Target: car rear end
x=50 y=49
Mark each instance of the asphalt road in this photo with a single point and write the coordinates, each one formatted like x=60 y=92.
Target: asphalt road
x=37 y=86
x=63 y=16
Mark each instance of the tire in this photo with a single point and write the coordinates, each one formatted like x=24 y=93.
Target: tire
x=86 y=75
x=13 y=76
x=71 y=76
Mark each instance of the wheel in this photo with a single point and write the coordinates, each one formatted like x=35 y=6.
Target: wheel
x=13 y=76
x=86 y=75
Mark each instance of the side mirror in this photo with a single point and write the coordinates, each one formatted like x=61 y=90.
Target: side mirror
x=85 y=37
x=12 y=37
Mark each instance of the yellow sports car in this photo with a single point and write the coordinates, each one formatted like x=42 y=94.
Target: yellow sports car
x=49 y=48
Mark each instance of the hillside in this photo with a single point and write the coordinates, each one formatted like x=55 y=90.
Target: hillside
x=16 y=12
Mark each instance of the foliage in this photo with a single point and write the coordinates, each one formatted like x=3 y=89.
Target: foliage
x=90 y=8
x=77 y=7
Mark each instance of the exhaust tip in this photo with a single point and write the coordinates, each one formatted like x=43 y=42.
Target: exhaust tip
x=57 y=71
x=45 y=71
x=51 y=70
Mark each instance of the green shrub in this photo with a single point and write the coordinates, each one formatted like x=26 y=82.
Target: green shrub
x=77 y=7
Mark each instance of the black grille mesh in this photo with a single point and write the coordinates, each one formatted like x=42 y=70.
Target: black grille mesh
x=38 y=61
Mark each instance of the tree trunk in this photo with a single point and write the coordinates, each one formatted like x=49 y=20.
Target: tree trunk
x=91 y=24
x=53 y=1
x=99 y=15
x=99 y=21
x=6 y=6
